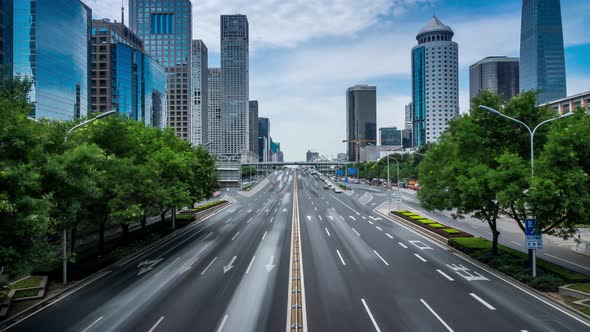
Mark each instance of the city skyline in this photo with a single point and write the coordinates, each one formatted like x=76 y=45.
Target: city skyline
x=384 y=33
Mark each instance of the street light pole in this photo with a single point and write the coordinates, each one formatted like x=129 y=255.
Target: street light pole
x=532 y=139
x=64 y=233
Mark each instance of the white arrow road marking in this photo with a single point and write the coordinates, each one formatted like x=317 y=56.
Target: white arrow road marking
x=167 y=266
x=270 y=265
x=308 y=217
x=351 y=217
x=148 y=265
x=331 y=218
x=250 y=265
x=205 y=270
x=230 y=265
x=264 y=235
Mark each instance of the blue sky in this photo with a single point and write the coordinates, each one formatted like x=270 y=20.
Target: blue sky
x=305 y=53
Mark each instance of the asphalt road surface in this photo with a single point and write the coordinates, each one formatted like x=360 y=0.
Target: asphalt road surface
x=361 y=272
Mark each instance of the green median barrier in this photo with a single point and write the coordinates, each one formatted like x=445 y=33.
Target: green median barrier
x=451 y=231
x=183 y=216
x=436 y=225
x=428 y=221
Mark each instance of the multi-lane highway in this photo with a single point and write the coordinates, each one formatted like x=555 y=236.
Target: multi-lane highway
x=360 y=271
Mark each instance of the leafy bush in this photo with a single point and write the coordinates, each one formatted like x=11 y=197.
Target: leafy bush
x=451 y=231
x=428 y=221
x=19 y=294
x=437 y=225
x=183 y=216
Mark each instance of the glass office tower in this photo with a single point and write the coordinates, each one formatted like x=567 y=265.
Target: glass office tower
x=542 y=63
x=235 y=72
x=56 y=57
x=361 y=119
x=165 y=26
x=498 y=74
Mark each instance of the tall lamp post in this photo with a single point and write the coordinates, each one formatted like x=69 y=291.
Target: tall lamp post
x=532 y=140
x=388 y=181
x=64 y=233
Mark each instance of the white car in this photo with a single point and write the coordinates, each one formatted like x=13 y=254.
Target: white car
x=337 y=190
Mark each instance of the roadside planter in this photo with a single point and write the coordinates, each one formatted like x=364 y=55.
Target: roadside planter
x=431 y=225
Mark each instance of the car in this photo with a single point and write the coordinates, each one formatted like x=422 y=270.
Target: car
x=356 y=182
x=326 y=186
x=337 y=190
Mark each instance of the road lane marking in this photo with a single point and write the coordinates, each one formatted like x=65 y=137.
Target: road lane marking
x=379 y=228
x=308 y=218
x=249 y=211
x=205 y=270
x=363 y=217
x=561 y=259
x=466 y=273
x=327 y=231
x=233 y=238
x=222 y=324
x=320 y=217
x=445 y=275
x=315 y=208
x=420 y=245
x=482 y=301
x=250 y=265
x=371 y=316
x=341 y=218
x=228 y=220
x=247 y=222
x=353 y=210
x=370 y=222
x=207 y=236
x=91 y=325
x=518 y=244
x=403 y=245
x=388 y=235
x=167 y=266
x=351 y=217
x=156 y=325
x=376 y=253
x=420 y=258
x=354 y=230
x=264 y=235
x=331 y=218
x=342 y=260
x=271 y=219
x=437 y=316
x=277 y=209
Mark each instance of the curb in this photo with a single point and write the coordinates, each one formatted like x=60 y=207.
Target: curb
x=8 y=322
x=500 y=275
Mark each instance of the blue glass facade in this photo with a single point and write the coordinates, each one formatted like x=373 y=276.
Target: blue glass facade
x=127 y=81
x=154 y=89
x=419 y=95
x=542 y=63
x=55 y=56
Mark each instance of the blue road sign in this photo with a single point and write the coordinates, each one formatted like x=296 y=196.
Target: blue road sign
x=339 y=172
x=534 y=238
x=345 y=180
x=352 y=171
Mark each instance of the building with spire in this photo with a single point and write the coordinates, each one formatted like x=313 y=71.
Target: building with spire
x=435 y=80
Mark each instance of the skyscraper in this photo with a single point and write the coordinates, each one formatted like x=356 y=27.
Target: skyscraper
x=215 y=114
x=408 y=140
x=200 y=108
x=253 y=126
x=123 y=77
x=165 y=26
x=49 y=42
x=542 y=63
x=235 y=72
x=361 y=118
x=498 y=74
x=264 y=139
x=390 y=136
x=435 y=93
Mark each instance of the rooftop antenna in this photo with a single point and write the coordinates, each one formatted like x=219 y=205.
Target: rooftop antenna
x=123 y=12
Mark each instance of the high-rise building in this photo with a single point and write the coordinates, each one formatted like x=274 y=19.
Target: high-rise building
x=253 y=126
x=390 y=136
x=200 y=90
x=235 y=72
x=165 y=26
x=49 y=42
x=263 y=139
x=361 y=119
x=435 y=92
x=542 y=63
x=498 y=74
x=123 y=77
x=311 y=156
x=215 y=114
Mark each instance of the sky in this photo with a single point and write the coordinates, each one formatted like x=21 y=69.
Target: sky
x=304 y=54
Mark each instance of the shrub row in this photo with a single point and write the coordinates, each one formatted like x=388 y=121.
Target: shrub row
x=431 y=225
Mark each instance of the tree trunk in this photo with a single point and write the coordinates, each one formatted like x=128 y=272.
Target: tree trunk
x=495 y=236
x=143 y=222
x=163 y=215
x=125 y=229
